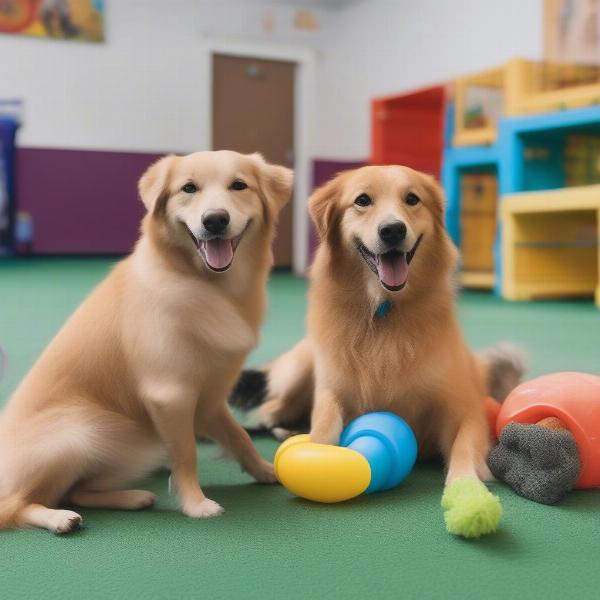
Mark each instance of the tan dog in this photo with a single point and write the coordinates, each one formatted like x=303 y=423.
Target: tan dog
x=147 y=361
x=382 y=330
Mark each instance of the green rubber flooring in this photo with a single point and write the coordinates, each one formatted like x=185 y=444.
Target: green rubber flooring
x=270 y=545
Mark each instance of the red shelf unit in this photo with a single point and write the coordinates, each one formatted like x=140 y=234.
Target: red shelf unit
x=408 y=129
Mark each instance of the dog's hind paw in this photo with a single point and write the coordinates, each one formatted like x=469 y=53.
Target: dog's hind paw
x=138 y=500
x=281 y=434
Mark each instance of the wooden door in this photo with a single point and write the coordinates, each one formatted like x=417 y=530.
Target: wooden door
x=479 y=194
x=253 y=111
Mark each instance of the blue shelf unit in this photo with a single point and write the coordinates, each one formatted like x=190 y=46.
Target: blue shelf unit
x=532 y=148
x=457 y=162
x=529 y=155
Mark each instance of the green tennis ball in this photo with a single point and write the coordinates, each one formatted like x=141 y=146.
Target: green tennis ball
x=470 y=509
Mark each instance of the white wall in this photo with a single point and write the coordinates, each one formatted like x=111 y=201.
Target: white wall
x=126 y=94
x=143 y=88
x=250 y=19
x=378 y=47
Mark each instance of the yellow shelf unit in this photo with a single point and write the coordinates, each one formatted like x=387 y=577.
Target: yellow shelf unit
x=477 y=280
x=540 y=86
x=550 y=244
x=519 y=87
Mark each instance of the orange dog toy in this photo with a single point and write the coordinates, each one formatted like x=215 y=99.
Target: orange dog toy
x=548 y=432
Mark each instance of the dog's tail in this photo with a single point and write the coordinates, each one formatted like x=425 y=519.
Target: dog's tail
x=10 y=507
x=251 y=389
x=280 y=394
x=503 y=367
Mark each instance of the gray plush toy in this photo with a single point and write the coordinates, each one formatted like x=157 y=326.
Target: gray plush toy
x=548 y=436
x=540 y=462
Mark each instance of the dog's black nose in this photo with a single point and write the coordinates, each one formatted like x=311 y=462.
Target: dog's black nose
x=393 y=232
x=215 y=220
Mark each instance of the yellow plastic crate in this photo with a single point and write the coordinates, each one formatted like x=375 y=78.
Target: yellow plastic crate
x=478 y=104
x=550 y=244
x=539 y=87
x=519 y=87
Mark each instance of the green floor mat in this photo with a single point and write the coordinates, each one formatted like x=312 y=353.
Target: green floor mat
x=270 y=545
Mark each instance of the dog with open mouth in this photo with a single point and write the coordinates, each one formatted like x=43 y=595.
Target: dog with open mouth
x=147 y=362
x=381 y=329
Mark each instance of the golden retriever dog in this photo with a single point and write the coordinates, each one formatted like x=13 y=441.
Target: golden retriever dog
x=382 y=333
x=147 y=362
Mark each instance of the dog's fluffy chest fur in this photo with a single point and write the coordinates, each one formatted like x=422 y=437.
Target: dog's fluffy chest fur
x=391 y=362
x=196 y=311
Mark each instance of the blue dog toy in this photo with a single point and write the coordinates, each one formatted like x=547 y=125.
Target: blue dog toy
x=388 y=444
x=376 y=452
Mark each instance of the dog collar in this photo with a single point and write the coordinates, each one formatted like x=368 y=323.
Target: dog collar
x=383 y=309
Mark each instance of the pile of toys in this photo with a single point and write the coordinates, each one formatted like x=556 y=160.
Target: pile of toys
x=546 y=443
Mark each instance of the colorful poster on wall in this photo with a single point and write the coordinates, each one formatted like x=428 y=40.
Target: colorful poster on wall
x=80 y=20
x=572 y=31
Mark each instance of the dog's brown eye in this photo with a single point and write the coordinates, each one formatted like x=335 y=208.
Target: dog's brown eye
x=363 y=200
x=238 y=185
x=189 y=188
x=412 y=199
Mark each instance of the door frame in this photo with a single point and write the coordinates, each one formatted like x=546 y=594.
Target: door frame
x=304 y=95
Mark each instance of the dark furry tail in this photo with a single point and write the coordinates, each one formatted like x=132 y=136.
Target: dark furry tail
x=504 y=366
x=279 y=396
x=250 y=391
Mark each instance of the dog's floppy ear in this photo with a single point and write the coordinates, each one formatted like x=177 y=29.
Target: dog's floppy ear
x=152 y=186
x=275 y=183
x=437 y=200
x=445 y=253
x=322 y=206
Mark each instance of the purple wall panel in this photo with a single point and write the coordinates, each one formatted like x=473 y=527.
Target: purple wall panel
x=81 y=201
x=86 y=202
x=323 y=170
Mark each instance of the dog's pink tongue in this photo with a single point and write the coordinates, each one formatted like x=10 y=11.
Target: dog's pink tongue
x=392 y=269
x=219 y=253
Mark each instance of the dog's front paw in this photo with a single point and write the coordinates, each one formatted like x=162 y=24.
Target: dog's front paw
x=205 y=509
x=263 y=472
x=138 y=500
x=65 y=521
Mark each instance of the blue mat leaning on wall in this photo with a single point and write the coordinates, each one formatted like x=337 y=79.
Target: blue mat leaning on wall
x=9 y=123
